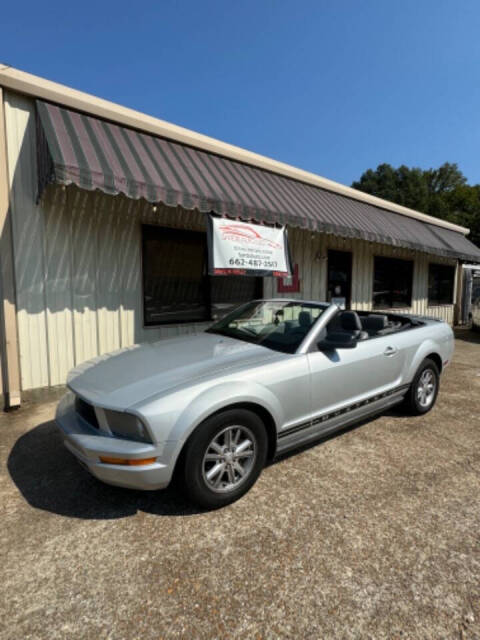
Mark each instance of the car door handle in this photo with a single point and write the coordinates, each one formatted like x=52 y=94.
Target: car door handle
x=390 y=351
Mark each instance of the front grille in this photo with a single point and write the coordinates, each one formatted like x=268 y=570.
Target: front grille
x=87 y=412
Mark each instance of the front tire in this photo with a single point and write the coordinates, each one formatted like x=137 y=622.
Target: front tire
x=422 y=395
x=224 y=458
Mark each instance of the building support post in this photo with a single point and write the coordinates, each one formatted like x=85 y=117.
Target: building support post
x=9 y=354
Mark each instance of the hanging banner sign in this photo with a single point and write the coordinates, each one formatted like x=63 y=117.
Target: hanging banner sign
x=245 y=249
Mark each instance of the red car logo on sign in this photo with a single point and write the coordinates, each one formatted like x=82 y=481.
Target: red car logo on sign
x=247 y=234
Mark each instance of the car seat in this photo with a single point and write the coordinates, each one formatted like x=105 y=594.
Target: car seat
x=304 y=324
x=350 y=323
x=374 y=324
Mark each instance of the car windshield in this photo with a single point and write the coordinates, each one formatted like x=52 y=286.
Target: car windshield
x=276 y=324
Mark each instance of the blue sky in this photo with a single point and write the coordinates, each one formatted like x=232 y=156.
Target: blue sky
x=334 y=87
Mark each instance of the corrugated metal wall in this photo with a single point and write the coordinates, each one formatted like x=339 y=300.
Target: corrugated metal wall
x=78 y=265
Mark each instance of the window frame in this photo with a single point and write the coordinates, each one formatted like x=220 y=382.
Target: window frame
x=207 y=279
x=390 y=301
x=445 y=266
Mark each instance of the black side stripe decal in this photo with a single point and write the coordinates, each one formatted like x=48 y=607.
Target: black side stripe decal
x=339 y=412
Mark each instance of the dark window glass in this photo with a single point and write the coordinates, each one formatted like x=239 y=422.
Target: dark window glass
x=392 y=283
x=230 y=291
x=441 y=279
x=176 y=286
x=339 y=276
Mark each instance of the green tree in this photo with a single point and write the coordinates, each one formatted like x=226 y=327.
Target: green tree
x=464 y=209
x=443 y=192
x=404 y=186
x=444 y=179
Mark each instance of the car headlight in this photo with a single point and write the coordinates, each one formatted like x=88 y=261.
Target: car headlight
x=126 y=425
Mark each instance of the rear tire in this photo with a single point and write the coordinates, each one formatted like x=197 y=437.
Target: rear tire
x=422 y=395
x=224 y=458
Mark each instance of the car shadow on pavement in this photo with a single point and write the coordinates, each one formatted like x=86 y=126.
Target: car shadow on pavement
x=49 y=478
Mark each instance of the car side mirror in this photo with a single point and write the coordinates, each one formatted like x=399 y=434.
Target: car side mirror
x=337 y=341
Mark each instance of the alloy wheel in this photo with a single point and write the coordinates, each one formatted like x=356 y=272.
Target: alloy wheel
x=426 y=388
x=229 y=458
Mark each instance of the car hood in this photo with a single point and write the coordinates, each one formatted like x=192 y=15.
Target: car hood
x=122 y=378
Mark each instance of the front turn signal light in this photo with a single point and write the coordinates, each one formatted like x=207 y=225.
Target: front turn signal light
x=126 y=461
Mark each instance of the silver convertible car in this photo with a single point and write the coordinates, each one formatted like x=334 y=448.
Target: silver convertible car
x=268 y=377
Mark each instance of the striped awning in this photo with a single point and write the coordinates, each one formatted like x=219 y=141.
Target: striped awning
x=91 y=153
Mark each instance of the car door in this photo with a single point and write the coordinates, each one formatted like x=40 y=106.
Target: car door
x=342 y=377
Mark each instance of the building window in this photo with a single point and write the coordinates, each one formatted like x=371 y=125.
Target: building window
x=176 y=285
x=441 y=278
x=392 y=283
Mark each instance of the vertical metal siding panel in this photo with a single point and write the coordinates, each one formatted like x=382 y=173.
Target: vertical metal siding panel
x=293 y=251
x=28 y=232
x=310 y=259
x=297 y=260
x=107 y=273
x=302 y=265
x=129 y=248
x=356 y=296
x=367 y=276
x=356 y=293
x=421 y=293
x=316 y=267
x=360 y=274
x=416 y=288
x=420 y=297
x=270 y=287
x=58 y=287
x=79 y=206
x=300 y=244
x=307 y=264
x=313 y=248
x=322 y=271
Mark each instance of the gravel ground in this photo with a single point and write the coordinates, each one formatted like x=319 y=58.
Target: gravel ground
x=372 y=533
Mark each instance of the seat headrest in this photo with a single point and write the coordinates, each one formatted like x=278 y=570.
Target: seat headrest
x=304 y=319
x=374 y=322
x=350 y=321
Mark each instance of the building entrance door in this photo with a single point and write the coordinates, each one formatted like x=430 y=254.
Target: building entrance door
x=339 y=278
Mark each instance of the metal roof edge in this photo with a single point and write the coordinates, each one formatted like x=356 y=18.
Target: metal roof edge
x=35 y=86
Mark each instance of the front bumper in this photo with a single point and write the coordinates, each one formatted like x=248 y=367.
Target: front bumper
x=87 y=444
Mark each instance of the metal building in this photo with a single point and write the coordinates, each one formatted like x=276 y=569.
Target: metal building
x=102 y=217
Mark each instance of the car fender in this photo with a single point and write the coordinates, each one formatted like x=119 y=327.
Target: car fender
x=426 y=347
x=221 y=396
